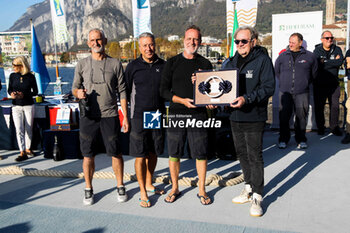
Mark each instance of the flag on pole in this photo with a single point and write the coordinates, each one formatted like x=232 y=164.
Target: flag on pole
x=244 y=15
x=235 y=27
x=141 y=11
x=38 y=65
x=59 y=21
x=246 y=11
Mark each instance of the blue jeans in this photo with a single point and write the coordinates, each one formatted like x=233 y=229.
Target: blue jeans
x=248 y=138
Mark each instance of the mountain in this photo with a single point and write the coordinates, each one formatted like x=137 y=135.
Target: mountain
x=168 y=17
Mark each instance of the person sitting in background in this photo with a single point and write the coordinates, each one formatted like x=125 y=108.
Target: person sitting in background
x=22 y=88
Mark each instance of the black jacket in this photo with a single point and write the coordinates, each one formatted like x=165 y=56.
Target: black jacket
x=143 y=82
x=295 y=76
x=328 y=66
x=25 y=84
x=256 y=85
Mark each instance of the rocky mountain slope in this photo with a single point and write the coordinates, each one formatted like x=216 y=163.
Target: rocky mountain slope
x=168 y=17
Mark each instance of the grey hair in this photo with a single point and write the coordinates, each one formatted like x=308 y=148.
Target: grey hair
x=195 y=27
x=98 y=30
x=325 y=32
x=253 y=32
x=146 y=34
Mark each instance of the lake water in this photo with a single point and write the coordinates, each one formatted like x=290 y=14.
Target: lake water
x=67 y=75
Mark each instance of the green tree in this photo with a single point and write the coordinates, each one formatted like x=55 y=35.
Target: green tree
x=128 y=50
x=64 y=57
x=113 y=49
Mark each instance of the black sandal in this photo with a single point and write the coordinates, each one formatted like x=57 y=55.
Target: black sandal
x=205 y=198
x=21 y=158
x=175 y=195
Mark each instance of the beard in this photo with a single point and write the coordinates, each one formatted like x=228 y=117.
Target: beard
x=191 y=50
x=97 y=49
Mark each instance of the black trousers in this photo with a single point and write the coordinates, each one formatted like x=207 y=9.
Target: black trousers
x=321 y=94
x=248 y=138
x=299 y=104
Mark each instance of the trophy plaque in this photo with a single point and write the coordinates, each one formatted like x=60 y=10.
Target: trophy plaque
x=215 y=87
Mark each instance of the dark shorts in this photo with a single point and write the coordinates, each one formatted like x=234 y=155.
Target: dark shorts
x=143 y=141
x=110 y=131
x=197 y=140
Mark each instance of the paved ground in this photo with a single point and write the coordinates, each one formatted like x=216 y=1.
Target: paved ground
x=305 y=191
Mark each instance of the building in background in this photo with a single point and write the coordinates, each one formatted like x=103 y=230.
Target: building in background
x=338 y=29
x=14 y=44
x=330 y=12
x=173 y=37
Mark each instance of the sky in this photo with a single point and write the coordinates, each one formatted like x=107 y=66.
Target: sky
x=11 y=10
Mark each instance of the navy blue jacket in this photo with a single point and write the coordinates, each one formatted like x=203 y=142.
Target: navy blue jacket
x=295 y=77
x=328 y=66
x=256 y=87
x=143 y=82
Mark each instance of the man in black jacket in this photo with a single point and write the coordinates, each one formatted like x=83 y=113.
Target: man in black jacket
x=143 y=77
x=256 y=86
x=295 y=69
x=326 y=85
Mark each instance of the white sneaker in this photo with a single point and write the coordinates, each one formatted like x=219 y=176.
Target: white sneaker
x=302 y=145
x=245 y=195
x=89 y=197
x=256 y=209
x=282 y=145
x=121 y=194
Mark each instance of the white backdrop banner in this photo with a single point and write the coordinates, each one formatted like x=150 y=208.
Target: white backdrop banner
x=309 y=24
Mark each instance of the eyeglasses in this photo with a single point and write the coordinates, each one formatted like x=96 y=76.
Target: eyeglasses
x=243 y=41
x=328 y=38
x=17 y=65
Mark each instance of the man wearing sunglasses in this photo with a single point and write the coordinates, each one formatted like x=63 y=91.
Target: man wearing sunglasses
x=99 y=79
x=295 y=69
x=256 y=86
x=326 y=85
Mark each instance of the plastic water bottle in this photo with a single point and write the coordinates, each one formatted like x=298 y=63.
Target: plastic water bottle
x=57 y=89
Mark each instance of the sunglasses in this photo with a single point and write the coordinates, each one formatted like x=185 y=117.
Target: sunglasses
x=243 y=41
x=17 y=65
x=328 y=38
